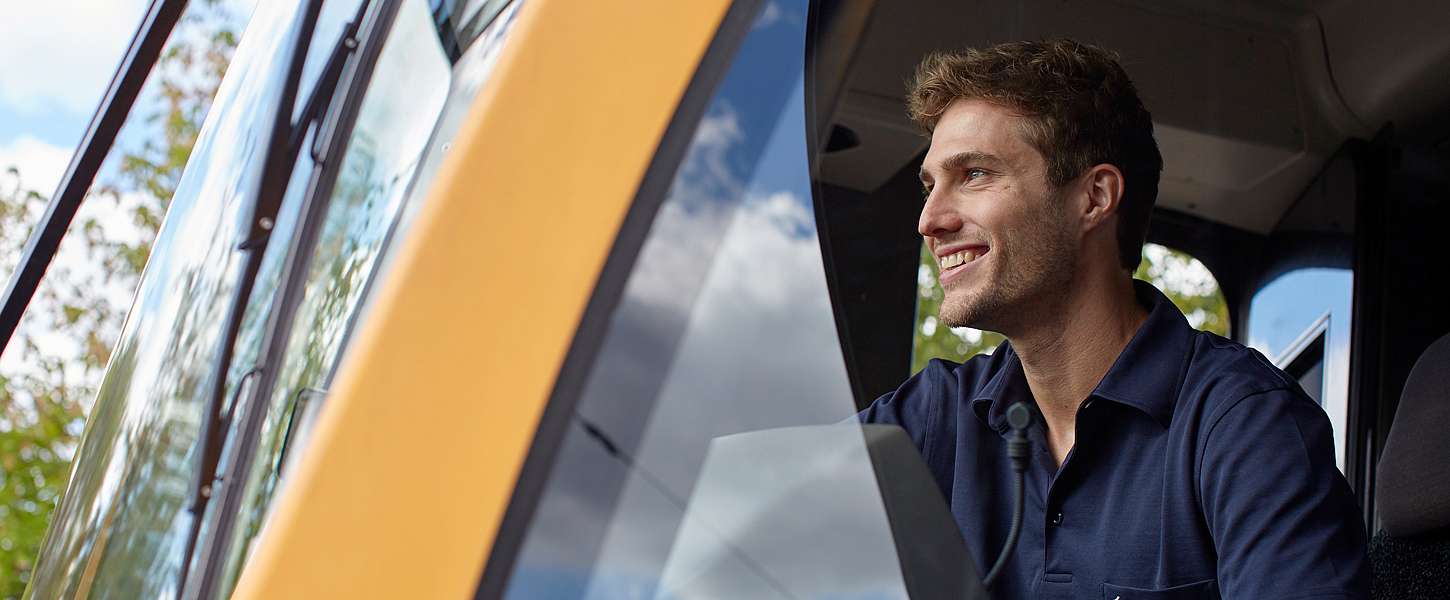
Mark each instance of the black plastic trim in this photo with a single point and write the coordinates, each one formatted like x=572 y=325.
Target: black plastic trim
x=935 y=561
x=1230 y=254
x=145 y=49
x=833 y=31
x=1372 y=162
x=559 y=412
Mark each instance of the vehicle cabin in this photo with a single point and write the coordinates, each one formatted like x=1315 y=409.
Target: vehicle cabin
x=560 y=298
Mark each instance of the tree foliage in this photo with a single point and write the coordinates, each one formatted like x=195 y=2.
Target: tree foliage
x=1181 y=277
x=66 y=336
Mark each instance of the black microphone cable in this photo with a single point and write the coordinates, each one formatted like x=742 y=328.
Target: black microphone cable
x=1019 y=449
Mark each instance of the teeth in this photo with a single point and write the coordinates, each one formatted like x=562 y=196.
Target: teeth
x=960 y=258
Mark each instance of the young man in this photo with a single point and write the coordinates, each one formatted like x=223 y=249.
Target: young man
x=1169 y=463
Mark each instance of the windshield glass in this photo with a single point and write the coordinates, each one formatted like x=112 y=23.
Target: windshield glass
x=725 y=326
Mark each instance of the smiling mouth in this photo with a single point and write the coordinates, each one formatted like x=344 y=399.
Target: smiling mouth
x=955 y=263
x=959 y=258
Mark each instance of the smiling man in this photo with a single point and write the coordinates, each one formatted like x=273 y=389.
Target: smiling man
x=1169 y=462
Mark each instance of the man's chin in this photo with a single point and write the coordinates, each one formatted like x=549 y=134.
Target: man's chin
x=962 y=310
x=958 y=315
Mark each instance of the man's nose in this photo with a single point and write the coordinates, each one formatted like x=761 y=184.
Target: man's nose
x=938 y=216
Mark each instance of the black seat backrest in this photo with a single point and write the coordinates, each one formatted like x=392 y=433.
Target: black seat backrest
x=1411 y=557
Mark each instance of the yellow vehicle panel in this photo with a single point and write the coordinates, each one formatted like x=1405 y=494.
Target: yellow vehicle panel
x=410 y=469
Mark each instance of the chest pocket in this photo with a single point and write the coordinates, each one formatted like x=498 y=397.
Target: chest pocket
x=1202 y=590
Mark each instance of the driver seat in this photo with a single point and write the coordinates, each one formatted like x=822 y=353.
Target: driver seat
x=1411 y=556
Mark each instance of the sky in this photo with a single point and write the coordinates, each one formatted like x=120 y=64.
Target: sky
x=51 y=87
x=52 y=84
x=56 y=59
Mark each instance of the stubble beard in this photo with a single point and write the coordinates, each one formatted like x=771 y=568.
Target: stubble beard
x=1030 y=266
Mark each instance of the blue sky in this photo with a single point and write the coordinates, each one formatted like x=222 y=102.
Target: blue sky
x=57 y=57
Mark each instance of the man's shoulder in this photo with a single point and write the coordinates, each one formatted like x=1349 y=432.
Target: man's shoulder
x=961 y=379
x=939 y=387
x=1221 y=374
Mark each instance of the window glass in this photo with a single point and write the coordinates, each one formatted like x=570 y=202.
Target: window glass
x=1301 y=322
x=725 y=326
x=55 y=361
x=1189 y=284
x=410 y=112
x=121 y=527
x=1185 y=280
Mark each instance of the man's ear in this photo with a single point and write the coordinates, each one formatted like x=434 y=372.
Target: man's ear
x=1103 y=185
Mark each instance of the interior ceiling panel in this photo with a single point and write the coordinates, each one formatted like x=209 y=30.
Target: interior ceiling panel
x=1223 y=80
x=1390 y=63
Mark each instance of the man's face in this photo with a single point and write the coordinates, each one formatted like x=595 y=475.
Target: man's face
x=1003 y=239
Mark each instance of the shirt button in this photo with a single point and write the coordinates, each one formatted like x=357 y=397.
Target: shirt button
x=1057 y=519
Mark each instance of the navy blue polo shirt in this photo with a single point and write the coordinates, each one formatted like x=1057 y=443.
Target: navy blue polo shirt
x=1199 y=471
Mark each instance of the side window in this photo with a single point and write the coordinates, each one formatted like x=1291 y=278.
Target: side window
x=1189 y=284
x=414 y=102
x=121 y=528
x=1185 y=280
x=57 y=357
x=1300 y=320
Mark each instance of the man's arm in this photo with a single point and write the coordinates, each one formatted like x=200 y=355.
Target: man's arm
x=925 y=407
x=1284 y=522
x=916 y=405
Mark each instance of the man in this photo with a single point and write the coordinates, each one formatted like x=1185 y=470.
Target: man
x=1169 y=463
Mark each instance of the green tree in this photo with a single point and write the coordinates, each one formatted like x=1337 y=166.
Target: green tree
x=67 y=334
x=1181 y=277
x=1188 y=284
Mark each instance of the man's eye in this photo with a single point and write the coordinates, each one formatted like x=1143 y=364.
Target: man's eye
x=975 y=174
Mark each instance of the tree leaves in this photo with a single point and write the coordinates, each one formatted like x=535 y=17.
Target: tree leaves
x=67 y=334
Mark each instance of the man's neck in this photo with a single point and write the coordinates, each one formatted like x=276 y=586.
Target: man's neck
x=1071 y=345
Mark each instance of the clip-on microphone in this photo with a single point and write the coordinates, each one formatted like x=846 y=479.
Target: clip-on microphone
x=1019 y=449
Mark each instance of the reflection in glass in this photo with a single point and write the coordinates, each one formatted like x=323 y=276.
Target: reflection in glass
x=1298 y=303
x=725 y=326
x=759 y=495
x=120 y=529
x=469 y=76
x=414 y=92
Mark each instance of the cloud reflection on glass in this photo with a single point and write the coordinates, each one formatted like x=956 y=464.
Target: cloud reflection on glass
x=725 y=326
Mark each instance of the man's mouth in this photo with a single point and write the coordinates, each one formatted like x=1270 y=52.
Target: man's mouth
x=957 y=262
x=959 y=258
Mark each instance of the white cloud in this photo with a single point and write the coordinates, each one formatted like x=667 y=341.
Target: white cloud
x=40 y=163
x=63 y=52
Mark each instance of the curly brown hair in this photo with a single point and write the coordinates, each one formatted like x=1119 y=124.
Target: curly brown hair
x=1080 y=110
